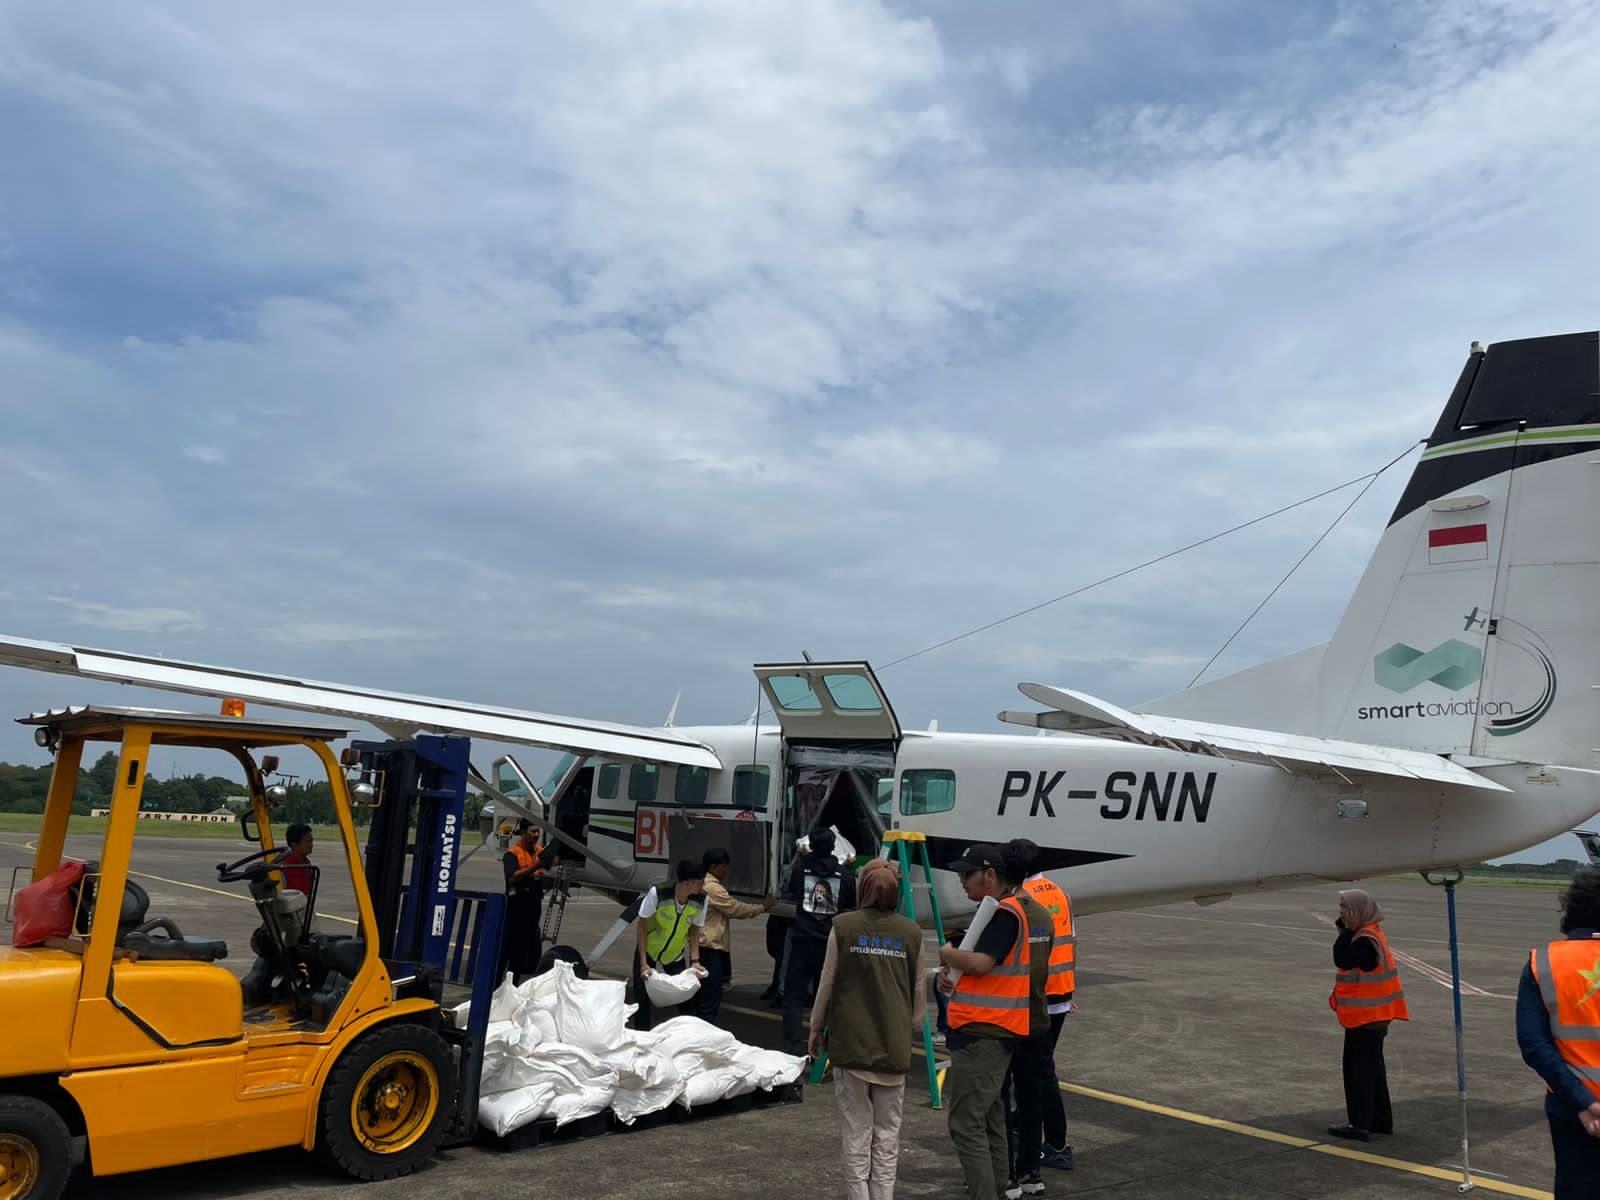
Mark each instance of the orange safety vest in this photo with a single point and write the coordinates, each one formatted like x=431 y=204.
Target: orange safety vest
x=1000 y=997
x=1569 y=982
x=1362 y=997
x=1064 y=951
x=526 y=859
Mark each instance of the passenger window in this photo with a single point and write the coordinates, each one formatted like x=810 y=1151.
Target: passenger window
x=923 y=792
x=690 y=787
x=606 y=784
x=885 y=795
x=750 y=787
x=642 y=782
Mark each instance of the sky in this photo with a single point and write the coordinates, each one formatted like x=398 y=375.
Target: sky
x=573 y=357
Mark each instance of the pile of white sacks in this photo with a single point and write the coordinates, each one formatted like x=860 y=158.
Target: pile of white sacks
x=558 y=1046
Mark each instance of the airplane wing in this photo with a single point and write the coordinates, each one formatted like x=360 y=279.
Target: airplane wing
x=397 y=714
x=1074 y=712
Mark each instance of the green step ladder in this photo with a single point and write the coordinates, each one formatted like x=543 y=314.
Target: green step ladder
x=898 y=847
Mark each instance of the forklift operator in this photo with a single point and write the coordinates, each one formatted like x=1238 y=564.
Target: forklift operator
x=525 y=864
x=296 y=872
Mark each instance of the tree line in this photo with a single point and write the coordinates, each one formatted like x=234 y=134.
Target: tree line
x=23 y=789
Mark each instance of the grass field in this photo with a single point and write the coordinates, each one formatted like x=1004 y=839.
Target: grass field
x=29 y=823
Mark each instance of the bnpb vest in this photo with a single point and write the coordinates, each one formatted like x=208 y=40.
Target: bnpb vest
x=667 y=935
x=869 y=1016
x=1362 y=997
x=1001 y=997
x=1064 y=951
x=1573 y=1002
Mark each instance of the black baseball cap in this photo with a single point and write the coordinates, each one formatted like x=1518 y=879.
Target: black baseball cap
x=524 y=825
x=981 y=857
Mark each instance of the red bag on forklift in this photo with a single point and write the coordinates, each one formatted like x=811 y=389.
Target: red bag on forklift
x=44 y=908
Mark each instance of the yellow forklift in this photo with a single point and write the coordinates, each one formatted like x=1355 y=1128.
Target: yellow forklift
x=128 y=1046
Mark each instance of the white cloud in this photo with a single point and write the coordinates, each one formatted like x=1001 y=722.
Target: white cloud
x=561 y=344
x=98 y=615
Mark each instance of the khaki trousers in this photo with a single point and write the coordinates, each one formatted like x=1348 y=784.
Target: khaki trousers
x=974 y=1090
x=869 y=1114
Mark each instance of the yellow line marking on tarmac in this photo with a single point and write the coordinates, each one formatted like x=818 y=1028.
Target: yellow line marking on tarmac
x=1300 y=1143
x=1265 y=1135
x=200 y=887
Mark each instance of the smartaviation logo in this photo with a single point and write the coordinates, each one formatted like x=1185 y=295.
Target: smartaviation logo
x=1453 y=665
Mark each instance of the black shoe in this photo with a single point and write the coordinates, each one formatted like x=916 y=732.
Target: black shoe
x=1387 y=1132
x=1060 y=1159
x=1351 y=1132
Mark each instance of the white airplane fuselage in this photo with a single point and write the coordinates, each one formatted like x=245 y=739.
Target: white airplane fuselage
x=1121 y=825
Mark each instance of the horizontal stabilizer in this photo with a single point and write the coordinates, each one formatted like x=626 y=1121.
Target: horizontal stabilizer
x=1074 y=712
x=395 y=713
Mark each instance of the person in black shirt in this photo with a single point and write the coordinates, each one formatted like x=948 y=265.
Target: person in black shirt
x=524 y=865
x=820 y=889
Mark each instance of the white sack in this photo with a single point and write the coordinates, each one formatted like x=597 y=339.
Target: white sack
x=690 y=1034
x=768 y=1068
x=648 y=1081
x=506 y=1111
x=591 y=1013
x=712 y=1084
x=666 y=990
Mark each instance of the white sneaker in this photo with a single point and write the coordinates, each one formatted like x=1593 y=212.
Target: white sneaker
x=1013 y=1190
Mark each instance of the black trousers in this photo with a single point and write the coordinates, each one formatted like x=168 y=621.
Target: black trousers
x=777 y=946
x=1052 y=1109
x=1366 y=1081
x=1027 y=1064
x=806 y=955
x=719 y=969
x=520 y=947
x=1577 y=1159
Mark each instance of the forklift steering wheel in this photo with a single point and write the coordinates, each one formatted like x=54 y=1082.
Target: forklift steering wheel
x=264 y=860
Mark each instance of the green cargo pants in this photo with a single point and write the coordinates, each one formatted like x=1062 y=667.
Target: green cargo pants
x=974 y=1090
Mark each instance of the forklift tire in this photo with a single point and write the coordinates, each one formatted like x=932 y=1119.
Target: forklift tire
x=388 y=1102
x=35 y=1150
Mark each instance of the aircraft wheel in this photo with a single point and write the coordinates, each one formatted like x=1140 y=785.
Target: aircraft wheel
x=387 y=1103
x=35 y=1150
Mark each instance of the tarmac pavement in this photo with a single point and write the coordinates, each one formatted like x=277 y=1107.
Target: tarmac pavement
x=1204 y=1061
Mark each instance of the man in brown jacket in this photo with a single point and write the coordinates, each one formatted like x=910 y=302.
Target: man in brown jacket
x=714 y=944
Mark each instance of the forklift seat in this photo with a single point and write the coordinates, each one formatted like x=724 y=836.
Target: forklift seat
x=136 y=935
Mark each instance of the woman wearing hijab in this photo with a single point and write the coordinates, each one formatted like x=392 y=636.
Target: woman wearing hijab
x=1366 y=996
x=869 y=1003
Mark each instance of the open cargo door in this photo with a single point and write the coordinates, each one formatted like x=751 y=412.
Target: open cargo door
x=840 y=737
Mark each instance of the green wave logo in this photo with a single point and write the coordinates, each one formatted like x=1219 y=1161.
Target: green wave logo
x=1451 y=664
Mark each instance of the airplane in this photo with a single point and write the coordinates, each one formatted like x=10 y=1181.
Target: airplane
x=1450 y=719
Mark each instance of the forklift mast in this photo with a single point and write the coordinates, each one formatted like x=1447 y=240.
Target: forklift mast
x=428 y=930
x=422 y=784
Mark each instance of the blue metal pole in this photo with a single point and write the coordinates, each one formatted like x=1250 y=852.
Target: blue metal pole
x=1466 y=1183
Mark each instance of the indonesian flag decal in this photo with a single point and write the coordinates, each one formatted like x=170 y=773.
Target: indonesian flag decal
x=1458 y=543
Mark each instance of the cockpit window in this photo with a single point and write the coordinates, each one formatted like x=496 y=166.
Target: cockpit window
x=923 y=792
x=563 y=765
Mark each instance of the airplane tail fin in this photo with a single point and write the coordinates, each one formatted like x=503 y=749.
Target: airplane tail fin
x=1475 y=628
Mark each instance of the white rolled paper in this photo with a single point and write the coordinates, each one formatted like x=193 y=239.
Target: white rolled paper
x=980 y=922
